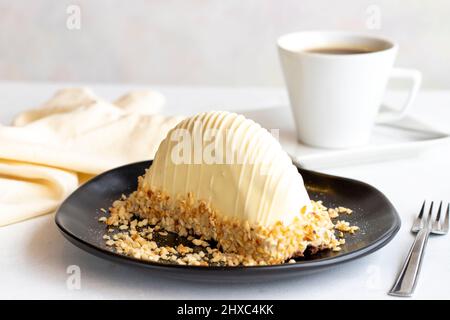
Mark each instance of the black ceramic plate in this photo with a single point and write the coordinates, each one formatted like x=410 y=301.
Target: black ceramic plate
x=378 y=220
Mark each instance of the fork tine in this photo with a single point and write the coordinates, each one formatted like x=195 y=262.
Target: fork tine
x=419 y=221
x=422 y=209
x=446 y=218
x=430 y=213
x=438 y=217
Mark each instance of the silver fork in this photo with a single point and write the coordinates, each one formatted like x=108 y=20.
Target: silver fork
x=423 y=225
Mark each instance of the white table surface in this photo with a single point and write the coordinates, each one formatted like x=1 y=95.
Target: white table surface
x=34 y=256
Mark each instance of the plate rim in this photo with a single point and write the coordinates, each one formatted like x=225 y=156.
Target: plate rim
x=87 y=246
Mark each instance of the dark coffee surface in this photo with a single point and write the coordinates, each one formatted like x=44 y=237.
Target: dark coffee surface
x=338 y=50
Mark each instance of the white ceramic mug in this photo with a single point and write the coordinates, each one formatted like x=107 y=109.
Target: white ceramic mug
x=336 y=98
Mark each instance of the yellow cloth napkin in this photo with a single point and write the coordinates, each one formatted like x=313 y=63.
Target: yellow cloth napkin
x=50 y=150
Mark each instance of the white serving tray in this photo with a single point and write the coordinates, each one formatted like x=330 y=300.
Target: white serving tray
x=405 y=138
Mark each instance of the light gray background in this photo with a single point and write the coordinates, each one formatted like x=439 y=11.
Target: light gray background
x=199 y=42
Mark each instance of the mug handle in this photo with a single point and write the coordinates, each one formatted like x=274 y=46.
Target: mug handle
x=415 y=77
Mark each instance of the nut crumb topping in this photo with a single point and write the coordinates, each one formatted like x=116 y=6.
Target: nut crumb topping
x=212 y=239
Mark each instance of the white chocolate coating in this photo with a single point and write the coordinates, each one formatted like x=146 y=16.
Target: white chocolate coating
x=233 y=164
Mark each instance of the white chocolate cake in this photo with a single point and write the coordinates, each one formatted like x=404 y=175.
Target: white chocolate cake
x=223 y=177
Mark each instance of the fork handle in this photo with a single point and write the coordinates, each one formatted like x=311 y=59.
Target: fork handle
x=407 y=279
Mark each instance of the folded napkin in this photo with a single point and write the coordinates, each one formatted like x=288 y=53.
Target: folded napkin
x=50 y=150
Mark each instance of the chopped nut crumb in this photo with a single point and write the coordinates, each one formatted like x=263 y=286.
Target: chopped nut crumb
x=344 y=226
x=199 y=242
x=333 y=213
x=135 y=239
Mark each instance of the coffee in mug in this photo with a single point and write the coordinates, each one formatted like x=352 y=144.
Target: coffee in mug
x=336 y=83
